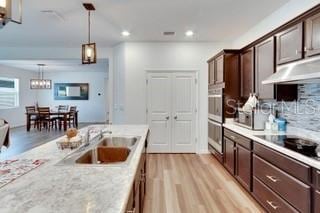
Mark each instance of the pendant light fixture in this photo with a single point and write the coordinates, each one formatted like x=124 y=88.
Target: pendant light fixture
x=7 y=8
x=40 y=83
x=89 y=50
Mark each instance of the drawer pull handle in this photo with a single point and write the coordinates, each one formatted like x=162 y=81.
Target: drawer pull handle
x=132 y=211
x=272 y=178
x=275 y=207
x=232 y=137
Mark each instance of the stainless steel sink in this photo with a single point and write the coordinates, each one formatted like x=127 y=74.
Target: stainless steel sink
x=118 y=142
x=108 y=151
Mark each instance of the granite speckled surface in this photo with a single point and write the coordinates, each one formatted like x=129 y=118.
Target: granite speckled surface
x=291 y=131
x=52 y=188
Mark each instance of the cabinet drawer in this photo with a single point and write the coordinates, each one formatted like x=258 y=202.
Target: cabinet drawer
x=317 y=179
x=245 y=142
x=271 y=201
x=285 y=185
x=291 y=166
x=316 y=201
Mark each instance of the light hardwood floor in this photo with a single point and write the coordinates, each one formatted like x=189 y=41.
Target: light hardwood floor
x=188 y=183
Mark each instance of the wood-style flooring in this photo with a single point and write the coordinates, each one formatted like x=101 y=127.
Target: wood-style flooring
x=188 y=183
x=22 y=141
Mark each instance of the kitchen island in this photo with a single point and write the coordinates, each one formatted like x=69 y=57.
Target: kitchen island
x=74 y=188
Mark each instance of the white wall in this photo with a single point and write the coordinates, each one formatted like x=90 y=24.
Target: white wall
x=16 y=116
x=136 y=58
x=92 y=110
x=284 y=14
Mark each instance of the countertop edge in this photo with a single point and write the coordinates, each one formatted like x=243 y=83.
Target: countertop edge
x=251 y=135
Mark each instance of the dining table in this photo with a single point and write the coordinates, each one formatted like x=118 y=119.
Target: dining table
x=63 y=114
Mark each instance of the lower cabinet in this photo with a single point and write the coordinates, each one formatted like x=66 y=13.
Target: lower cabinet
x=238 y=157
x=136 y=200
x=316 y=201
x=243 y=166
x=229 y=155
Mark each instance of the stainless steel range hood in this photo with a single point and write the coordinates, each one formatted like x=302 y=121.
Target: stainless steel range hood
x=300 y=72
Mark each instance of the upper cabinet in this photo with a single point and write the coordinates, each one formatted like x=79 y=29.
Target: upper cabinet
x=312 y=36
x=290 y=44
x=216 y=70
x=247 y=72
x=211 y=72
x=264 y=67
x=219 y=66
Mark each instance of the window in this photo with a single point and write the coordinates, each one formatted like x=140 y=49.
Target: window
x=9 y=93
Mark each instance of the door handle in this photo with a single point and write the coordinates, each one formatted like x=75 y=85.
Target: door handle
x=272 y=204
x=176 y=117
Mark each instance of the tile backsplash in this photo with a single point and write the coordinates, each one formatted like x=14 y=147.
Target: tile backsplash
x=305 y=113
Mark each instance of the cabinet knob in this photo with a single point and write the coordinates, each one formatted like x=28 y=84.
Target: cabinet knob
x=271 y=203
x=167 y=118
x=176 y=117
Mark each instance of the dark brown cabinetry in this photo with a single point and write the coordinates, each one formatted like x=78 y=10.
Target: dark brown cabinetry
x=229 y=155
x=290 y=44
x=247 y=72
x=312 y=36
x=211 y=73
x=136 y=199
x=264 y=67
x=316 y=201
x=238 y=157
x=219 y=62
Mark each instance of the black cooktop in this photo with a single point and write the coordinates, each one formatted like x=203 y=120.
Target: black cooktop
x=294 y=143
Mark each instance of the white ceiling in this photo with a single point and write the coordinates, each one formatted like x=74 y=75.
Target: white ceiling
x=212 y=20
x=68 y=65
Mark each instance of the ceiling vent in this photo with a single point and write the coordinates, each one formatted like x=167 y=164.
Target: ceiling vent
x=53 y=13
x=169 y=33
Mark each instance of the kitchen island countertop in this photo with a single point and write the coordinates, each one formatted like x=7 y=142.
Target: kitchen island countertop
x=69 y=188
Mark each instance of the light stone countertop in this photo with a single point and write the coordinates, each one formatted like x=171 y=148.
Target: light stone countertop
x=65 y=189
x=311 y=135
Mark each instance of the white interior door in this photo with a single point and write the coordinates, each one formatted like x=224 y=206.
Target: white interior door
x=171 y=112
x=183 y=112
x=159 y=112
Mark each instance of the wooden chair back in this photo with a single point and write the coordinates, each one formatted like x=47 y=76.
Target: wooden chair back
x=30 y=109
x=44 y=111
x=73 y=109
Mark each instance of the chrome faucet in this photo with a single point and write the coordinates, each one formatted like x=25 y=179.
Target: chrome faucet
x=87 y=137
x=104 y=132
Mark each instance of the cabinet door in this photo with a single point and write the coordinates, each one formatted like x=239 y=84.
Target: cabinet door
x=219 y=69
x=211 y=72
x=289 y=44
x=137 y=207
x=316 y=201
x=312 y=35
x=247 y=72
x=229 y=155
x=130 y=204
x=265 y=66
x=243 y=166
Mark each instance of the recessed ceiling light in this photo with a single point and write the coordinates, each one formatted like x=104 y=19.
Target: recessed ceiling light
x=125 y=33
x=189 y=33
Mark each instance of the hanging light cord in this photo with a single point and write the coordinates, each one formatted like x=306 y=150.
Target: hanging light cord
x=89 y=25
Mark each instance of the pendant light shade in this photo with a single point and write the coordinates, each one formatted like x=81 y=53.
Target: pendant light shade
x=7 y=10
x=40 y=83
x=89 y=50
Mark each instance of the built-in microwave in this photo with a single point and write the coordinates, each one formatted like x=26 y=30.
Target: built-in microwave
x=215 y=105
x=215 y=135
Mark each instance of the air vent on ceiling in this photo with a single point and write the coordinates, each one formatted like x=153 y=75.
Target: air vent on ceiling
x=169 y=33
x=53 y=13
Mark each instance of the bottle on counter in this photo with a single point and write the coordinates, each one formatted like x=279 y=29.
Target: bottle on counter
x=282 y=124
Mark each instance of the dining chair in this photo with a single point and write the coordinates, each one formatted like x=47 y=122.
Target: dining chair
x=34 y=118
x=59 y=117
x=71 y=119
x=45 y=119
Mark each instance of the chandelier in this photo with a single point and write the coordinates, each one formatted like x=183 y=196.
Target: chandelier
x=40 y=83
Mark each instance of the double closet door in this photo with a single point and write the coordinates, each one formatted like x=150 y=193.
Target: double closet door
x=171 y=112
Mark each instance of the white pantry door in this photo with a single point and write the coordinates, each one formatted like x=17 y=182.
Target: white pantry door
x=171 y=112
x=159 y=112
x=183 y=112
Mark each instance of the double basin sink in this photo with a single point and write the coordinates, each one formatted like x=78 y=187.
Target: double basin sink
x=105 y=151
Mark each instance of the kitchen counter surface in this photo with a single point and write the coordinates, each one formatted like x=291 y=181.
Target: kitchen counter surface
x=51 y=188
x=291 y=131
